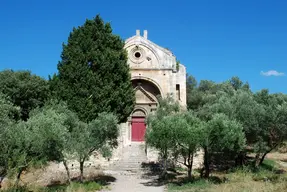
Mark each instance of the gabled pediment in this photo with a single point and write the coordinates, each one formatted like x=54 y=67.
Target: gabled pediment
x=141 y=40
x=142 y=96
x=143 y=53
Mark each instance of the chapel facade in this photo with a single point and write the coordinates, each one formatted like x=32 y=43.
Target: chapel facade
x=155 y=73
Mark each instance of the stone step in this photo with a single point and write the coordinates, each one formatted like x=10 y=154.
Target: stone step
x=131 y=159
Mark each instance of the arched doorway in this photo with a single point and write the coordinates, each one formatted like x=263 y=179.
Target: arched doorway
x=147 y=94
x=138 y=125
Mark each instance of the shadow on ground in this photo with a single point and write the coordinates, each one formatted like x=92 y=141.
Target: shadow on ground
x=153 y=173
x=103 y=180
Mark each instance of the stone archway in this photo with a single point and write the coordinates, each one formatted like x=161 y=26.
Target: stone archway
x=147 y=94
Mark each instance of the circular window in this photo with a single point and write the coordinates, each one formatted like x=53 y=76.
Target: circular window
x=137 y=54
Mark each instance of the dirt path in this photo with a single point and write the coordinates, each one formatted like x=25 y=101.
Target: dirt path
x=126 y=182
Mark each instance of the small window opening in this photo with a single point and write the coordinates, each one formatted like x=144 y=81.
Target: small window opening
x=137 y=54
x=178 y=91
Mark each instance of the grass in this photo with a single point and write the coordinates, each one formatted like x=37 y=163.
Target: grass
x=268 y=178
x=89 y=186
x=196 y=186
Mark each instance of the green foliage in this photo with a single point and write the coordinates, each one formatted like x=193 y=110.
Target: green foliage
x=44 y=137
x=52 y=125
x=243 y=108
x=161 y=125
x=22 y=149
x=182 y=134
x=52 y=133
x=95 y=136
x=161 y=128
x=187 y=136
x=7 y=114
x=221 y=135
x=238 y=84
x=167 y=106
x=24 y=90
x=194 y=96
x=261 y=114
x=273 y=127
x=93 y=75
x=99 y=135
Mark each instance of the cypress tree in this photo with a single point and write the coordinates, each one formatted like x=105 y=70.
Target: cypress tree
x=93 y=75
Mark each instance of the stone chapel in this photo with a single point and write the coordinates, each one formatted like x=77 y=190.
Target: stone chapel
x=154 y=73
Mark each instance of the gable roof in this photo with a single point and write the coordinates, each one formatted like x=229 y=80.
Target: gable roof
x=141 y=40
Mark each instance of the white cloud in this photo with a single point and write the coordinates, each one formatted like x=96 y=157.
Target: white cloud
x=272 y=73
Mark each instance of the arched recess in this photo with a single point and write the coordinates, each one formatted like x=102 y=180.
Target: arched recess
x=139 y=112
x=147 y=84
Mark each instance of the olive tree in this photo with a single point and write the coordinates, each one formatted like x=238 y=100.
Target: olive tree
x=161 y=125
x=221 y=134
x=44 y=137
x=52 y=126
x=99 y=135
x=7 y=113
x=160 y=136
x=273 y=126
x=187 y=136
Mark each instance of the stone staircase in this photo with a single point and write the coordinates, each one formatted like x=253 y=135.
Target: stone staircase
x=131 y=159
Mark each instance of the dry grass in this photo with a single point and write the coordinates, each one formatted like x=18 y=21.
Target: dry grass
x=73 y=187
x=52 y=179
x=237 y=182
x=270 y=178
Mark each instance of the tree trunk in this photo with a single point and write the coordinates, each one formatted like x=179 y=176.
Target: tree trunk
x=239 y=161
x=67 y=170
x=207 y=170
x=189 y=170
x=263 y=157
x=164 y=172
x=201 y=172
x=18 y=177
x=189 y=166
x=257 y=160
x=165 y=166
x=82 y=171
x=206 y=163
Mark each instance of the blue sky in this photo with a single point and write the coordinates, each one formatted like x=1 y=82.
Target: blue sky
x=215 y=39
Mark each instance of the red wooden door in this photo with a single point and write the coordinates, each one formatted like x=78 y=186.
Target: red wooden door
x=138 y=128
